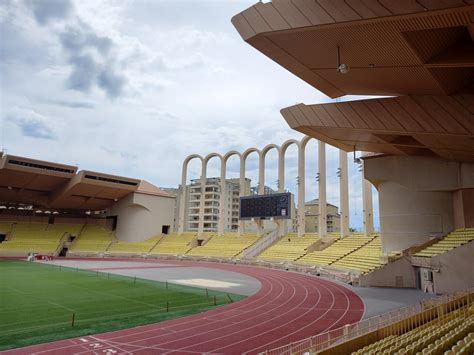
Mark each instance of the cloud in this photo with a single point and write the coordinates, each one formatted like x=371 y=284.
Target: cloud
x=31 y=123
x=111 y=82
x=45 y=11
x=84 y=73
x=91 y=62
x=76 y=39
x=72 y=104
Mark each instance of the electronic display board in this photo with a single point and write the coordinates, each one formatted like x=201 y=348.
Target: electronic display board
x=276 y=205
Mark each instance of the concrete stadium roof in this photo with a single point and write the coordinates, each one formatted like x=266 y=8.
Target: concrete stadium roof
x=392 y=47
x=59 y=186
x=438 y=126
x=421 y=51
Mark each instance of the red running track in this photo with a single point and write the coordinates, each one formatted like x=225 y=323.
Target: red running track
x=288 y=307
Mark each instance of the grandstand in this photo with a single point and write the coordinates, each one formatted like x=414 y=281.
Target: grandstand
x=5 y=226
x=229 y=245
x=289 y=248
x=31 y=237
x=174 y=244
x=413 y=141
x=443 y=325
x=92 y=240
x=123 y=247
x=452 y=240
x=454 y=336
x=364 y=259
x=337 y=250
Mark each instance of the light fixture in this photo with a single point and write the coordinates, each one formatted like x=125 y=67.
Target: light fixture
x=341 y=67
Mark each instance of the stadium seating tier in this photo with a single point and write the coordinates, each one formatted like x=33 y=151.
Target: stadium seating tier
x=289 y=248
x=228 y=246
x=451 y=241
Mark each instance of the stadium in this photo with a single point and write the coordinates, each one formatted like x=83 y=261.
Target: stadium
x=96 y=263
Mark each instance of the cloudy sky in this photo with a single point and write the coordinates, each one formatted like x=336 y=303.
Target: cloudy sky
x=133 y=87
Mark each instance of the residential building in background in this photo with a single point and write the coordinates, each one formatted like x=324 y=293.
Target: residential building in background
x=312 y=214
x=212 y=195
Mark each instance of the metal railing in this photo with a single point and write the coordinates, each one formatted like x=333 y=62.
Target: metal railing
x=328 y=339
x=261 y=244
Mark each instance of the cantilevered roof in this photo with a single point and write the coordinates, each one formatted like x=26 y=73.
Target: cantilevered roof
x=89 y=190
x=421 y=51
x=58 y=186
x=149 y=189
x=392 y=47
x=441 y=126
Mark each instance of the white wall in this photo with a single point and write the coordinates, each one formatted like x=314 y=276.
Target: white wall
x=416 y=197
x=410 y=217
x=141 y=216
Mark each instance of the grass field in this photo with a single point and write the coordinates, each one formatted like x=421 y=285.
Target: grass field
x=38 y=301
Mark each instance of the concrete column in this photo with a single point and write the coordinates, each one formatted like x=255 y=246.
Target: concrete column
x=301 y=192
x=368 y=207
x=282 y=225
x=281 y=172
x=201 y=203
x=322 y=219
x=261 y=174
x=344 y=193
x=222 y=201
x=182 y=200
x=241 y=230
x=259 y=224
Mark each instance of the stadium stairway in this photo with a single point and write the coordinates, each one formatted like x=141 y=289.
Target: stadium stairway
x=92 y=240
x=41 y=238
x=289 y=247
x=337 y=250
x=365 y=259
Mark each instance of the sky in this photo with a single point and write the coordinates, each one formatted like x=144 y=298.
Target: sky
x=133 y=87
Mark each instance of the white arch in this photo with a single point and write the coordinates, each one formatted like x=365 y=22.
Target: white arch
x=182 y=202
x=243 y=165
x=230 y=154
x=305 y=140
x=243 y=162
x=261 y=172
x=223 y=198
x=281 y=151
x=203 y=190
x=281 y=162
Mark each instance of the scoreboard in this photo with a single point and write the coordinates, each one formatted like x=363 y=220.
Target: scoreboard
x=277 y=206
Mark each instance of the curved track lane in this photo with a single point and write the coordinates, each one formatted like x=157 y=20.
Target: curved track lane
x=288 y=307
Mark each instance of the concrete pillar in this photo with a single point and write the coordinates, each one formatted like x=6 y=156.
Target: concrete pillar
x=182 y=206
x=203 y=181
x=344 y=192
x=182 y=200
x=281 y=172
x=241 y=230
x=259 y=224
x=301 y=191
x=282 y=225
x=222 y=201
x=261 y=174
x=322 y=219
x=367 y=203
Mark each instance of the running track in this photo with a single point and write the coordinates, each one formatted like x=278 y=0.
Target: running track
x=288 y=307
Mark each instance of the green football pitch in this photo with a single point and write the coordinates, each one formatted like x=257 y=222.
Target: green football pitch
x=41 y=303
